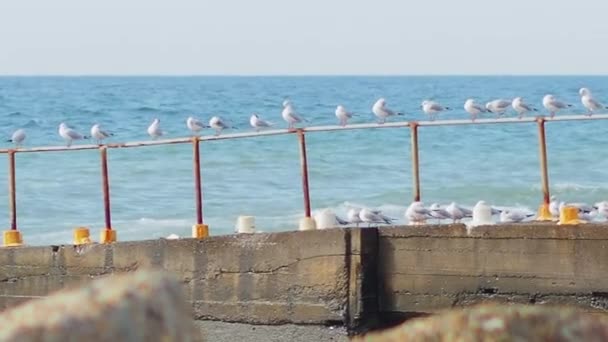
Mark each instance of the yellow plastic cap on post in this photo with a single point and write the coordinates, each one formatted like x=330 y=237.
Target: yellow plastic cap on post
x=200 y=231
x=544 y=214
x=307 y=223
x=569 y=215
x=107 y=236
x=82 y=236
x=12 y=238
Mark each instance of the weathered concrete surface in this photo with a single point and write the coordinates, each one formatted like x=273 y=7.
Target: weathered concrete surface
x=236 y=332
x=432 y=268
x=499 y=323
x=138 y=307
x=347 y=276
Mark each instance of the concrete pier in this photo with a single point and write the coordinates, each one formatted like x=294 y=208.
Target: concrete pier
x=353 y=277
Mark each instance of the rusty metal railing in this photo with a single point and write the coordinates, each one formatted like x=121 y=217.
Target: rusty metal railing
x=108 y=235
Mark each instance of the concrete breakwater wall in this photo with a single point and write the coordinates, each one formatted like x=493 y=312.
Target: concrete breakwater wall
x=350 y=276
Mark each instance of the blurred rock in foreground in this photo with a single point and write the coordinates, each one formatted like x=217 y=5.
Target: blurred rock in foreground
x=140 y=306
x=499 y=323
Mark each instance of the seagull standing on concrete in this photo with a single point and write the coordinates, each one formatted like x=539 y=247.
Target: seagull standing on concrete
x=520 y=107
x=553 y=105
x=381 y=111
x=416 y=213
x=154 y=129
x=69 y=134
x=370 y=216
x=18 y=137
x=98 y=134
x=258 y=123
x=498 y=107
x=343 y=115
x=195 y=125
x=289 y=114
x=512 y=216
x=437 y=212
x=432 y=108
x=602 y=208
x=473 y=108
x=353 y=216
x=589 y=102
x=457 y=213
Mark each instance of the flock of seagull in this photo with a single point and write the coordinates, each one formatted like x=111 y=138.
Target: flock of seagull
x=417 y=213
x=380 y=110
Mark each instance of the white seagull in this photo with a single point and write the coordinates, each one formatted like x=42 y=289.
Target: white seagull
x=69 y=134
x=437 y=212
x=379 y=109
x=154 y=129
x=195 y=125
x=602 y=208
x=370 y=216
x=289 y=114
x=457 y=213
x=473 y=108
x=498 y=107
x=520 y=107
x=511 y=216
x=432 y=108
x=353 y=216
x=98 y=134
x=343 y=115
x=218 y=124
x=18 y=137
x=589 y=102
x=416 y=213
x=553 y=105
x=258 y=123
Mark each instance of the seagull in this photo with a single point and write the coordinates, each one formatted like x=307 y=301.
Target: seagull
x=353 y=216
x=457 y=213
x=473 y=108
x=520 y=107
x=195 y=125
x=341 y=221
x=416 y=213
x=256 y=122
x=370 y=216
x=511 y=216
x=343 y=115
x=98 y=134
x=217 y=124
x=602 y=208
x=587 y=216
x=154 y=129
x=584 y=207
x=379 y=109
x=432 y=108
x=18 y=137
x=437 y=212
x=289 y=114
x=553 y=105
x=554 y=207
x=498 y=107
x=589 y=102
x=69 y=134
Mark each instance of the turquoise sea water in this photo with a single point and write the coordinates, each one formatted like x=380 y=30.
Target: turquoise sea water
x=152 y=189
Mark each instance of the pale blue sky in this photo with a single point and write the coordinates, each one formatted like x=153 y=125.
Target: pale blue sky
x=303 y=37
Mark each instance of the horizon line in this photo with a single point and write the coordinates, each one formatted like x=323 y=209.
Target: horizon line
x=303 y=75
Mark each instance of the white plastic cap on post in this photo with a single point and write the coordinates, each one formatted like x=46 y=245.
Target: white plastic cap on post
x=245 y=225
x=482 y=215
x=307 y=223
x=325 y=219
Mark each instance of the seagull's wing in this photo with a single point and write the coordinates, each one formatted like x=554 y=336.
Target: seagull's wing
x=594 y=104
x=341 y=221
x=437 y=107
x=73 y=134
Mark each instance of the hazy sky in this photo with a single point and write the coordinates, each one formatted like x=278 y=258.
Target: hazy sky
x=303 y=37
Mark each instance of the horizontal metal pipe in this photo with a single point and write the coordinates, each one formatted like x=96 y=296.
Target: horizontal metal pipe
x=252 y=134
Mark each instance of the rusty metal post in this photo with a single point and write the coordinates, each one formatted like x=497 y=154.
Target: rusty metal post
x=544 y=174
x=415 y=164
x=12 y=190
x=198 y=195
x=304 y=167
x=105 y=183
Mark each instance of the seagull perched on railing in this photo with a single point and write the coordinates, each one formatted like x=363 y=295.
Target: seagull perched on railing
x=218 y=124
x=154 y=129
x=553 y=105
x=343 y=115
x=589 y=102
x=381 y=111
x=432 y=108
x=289 y=114
x=258 y=123
x=18 y=137
x=98 y=134
x=195 y=125
x=498 y=107
x=69 y=134
x=521 y=108
x=473 y=108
